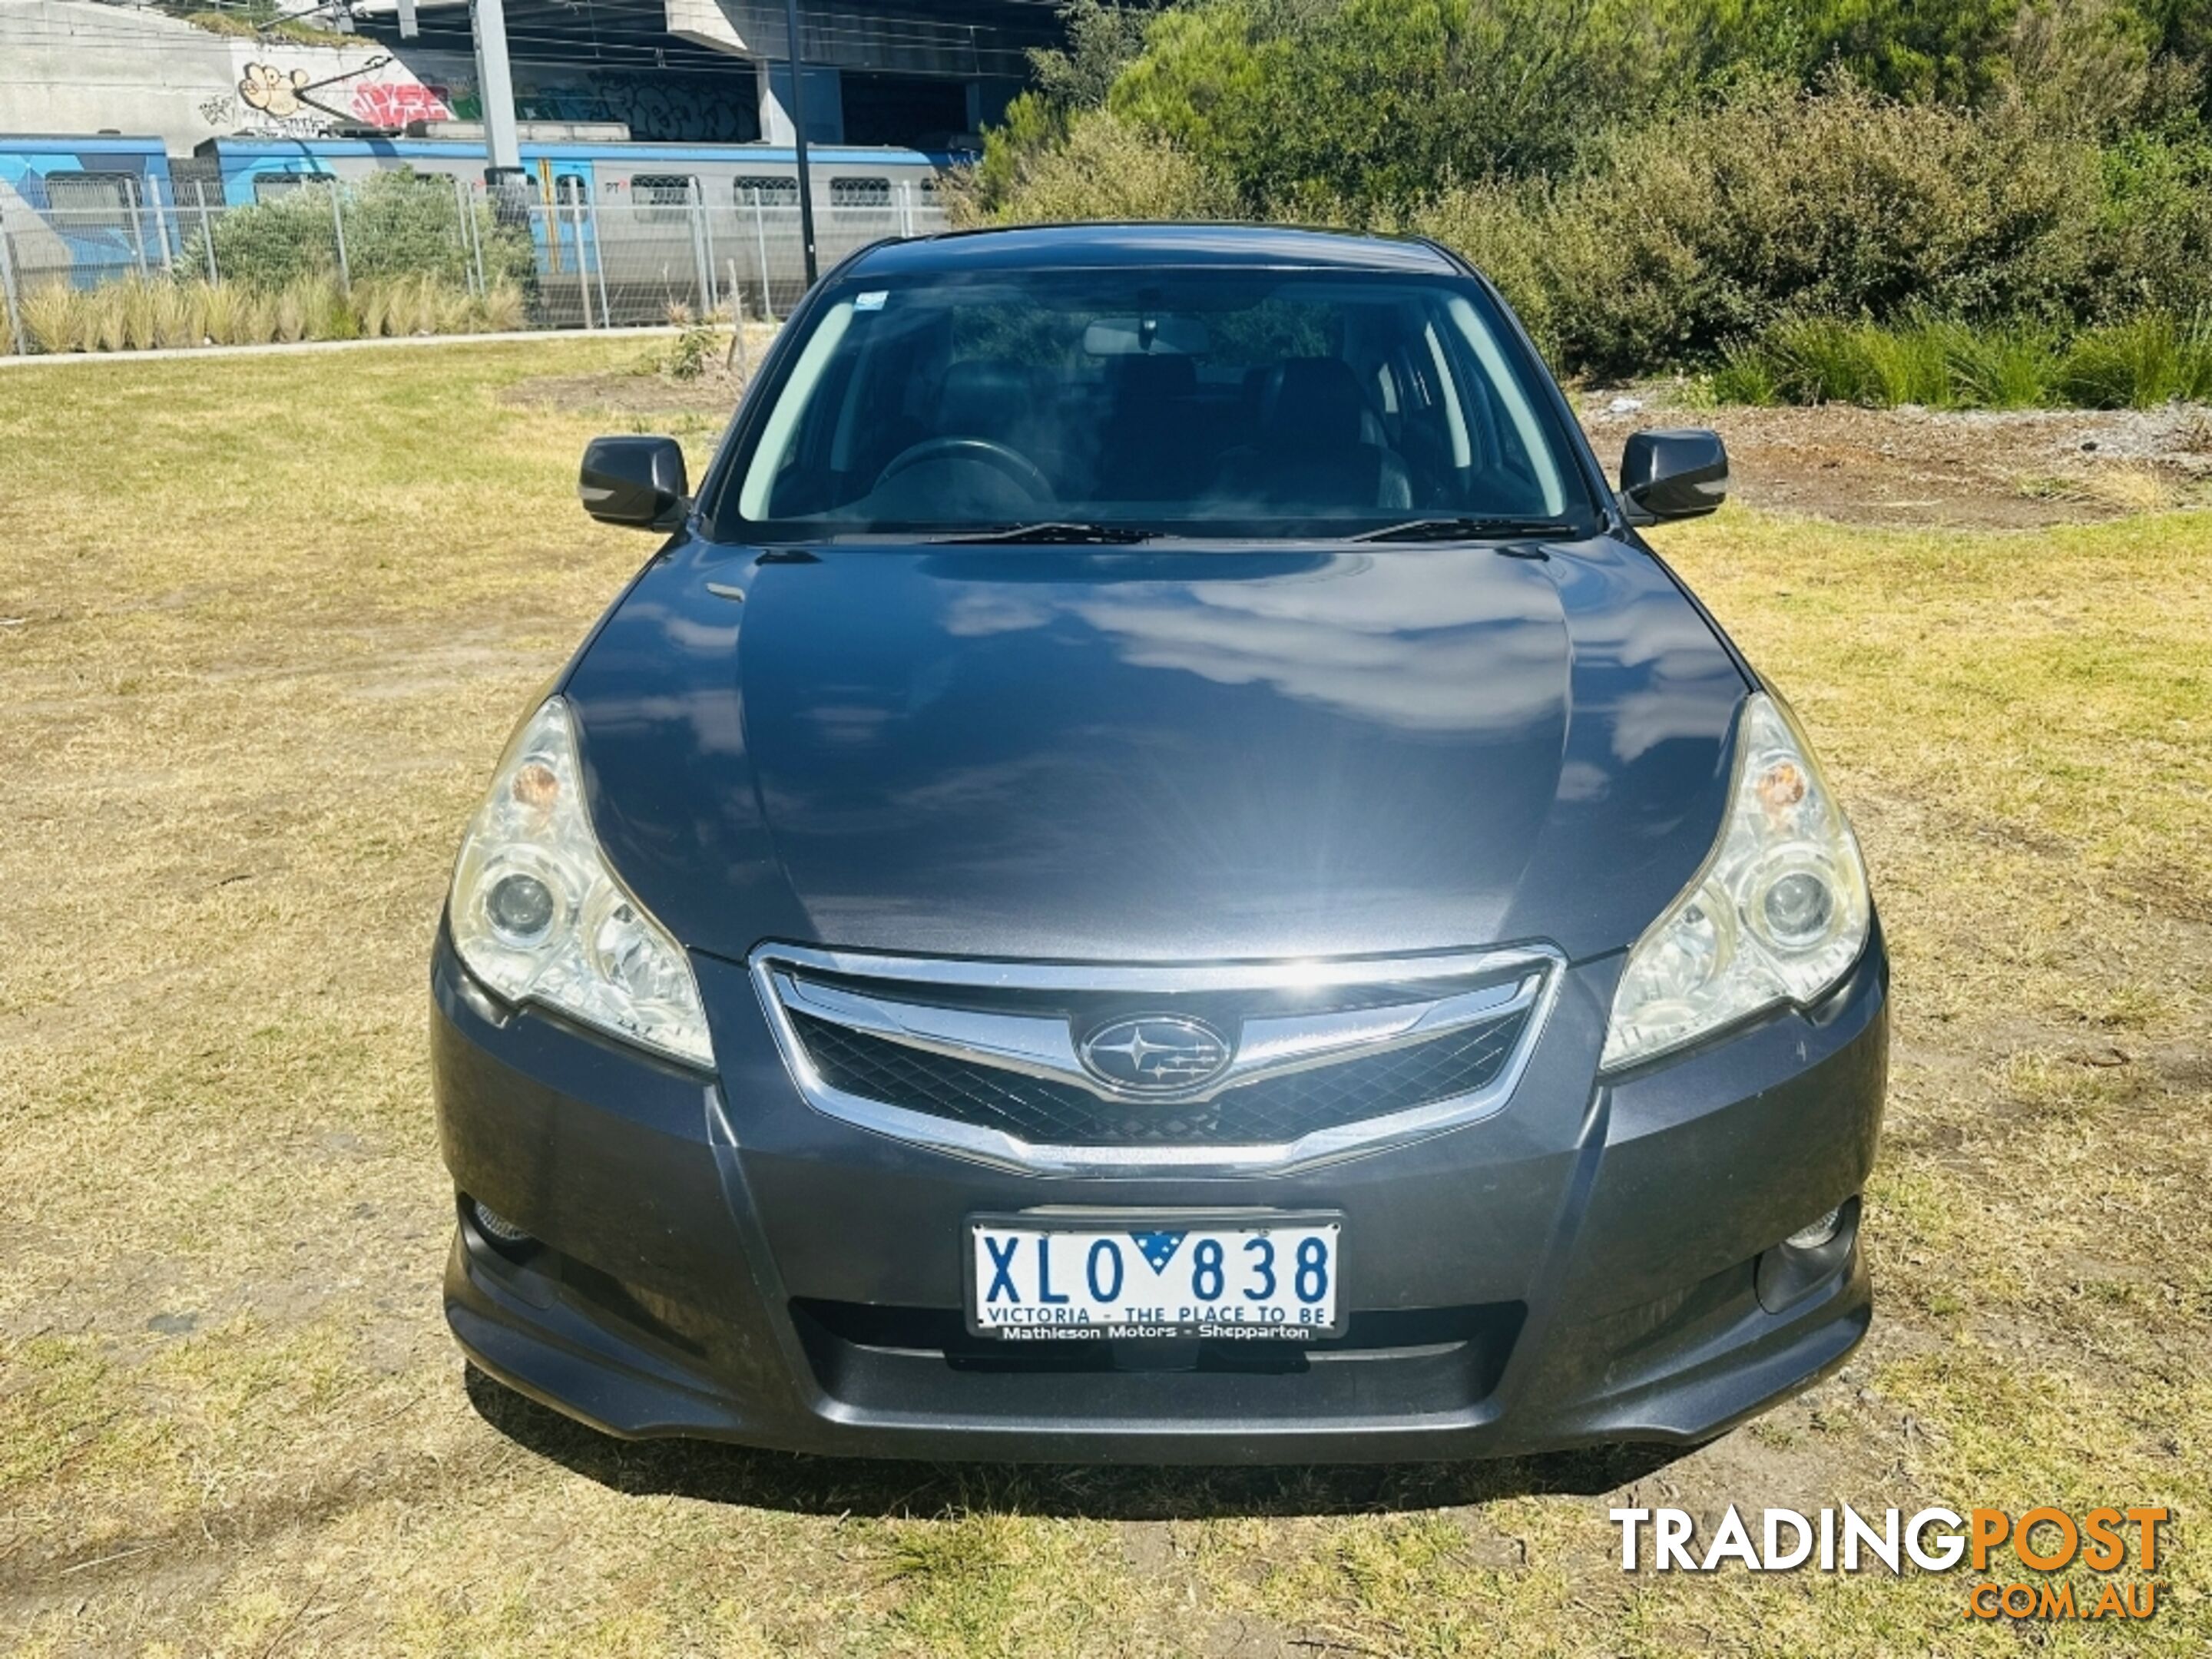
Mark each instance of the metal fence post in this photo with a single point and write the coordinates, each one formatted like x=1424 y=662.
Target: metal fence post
x=337 y=224
x=706 y=247
x=138 y=229
x=471 y=265
x=598 y=261
x=207 y=233
x=583 y=276
x=760 y=233
x=162 y=227
x=475 y=236
x=906 y=209
x=8 y=282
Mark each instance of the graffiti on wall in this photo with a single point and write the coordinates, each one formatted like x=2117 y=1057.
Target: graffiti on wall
x=274 y=92
x=278 y=93
x=393 y=104
x=671 y=106
x=305 y=100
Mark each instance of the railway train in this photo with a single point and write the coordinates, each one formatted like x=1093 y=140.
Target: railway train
x=620 y=228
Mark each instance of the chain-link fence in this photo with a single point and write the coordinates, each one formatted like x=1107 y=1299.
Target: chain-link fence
x=411 y=253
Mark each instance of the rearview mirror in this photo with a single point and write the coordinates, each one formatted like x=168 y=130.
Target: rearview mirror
x=1136 y=337
x=1679 y=474
x=639 y=482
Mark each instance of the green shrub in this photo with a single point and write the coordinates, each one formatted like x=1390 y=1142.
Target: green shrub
x=1303 y=107
x=396 y=223
x=1102 y=168
x=1672 y=239
x=1650 y=183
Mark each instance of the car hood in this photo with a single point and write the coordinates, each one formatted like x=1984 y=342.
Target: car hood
x=1142 y=755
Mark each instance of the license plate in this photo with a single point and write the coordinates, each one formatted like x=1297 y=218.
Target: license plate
x=1031 y=1279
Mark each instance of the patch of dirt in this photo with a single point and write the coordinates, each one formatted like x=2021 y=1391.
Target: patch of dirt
x=648 y=388
x=1985 y=469
x=644 y=391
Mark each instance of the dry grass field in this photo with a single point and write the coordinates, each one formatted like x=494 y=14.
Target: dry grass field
x=263 y=625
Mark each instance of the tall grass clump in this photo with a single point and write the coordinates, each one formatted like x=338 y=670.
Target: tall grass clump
x=137 y=313
x=51 y=317
x=2135 y=365
x=503 y=306
x=1946 y=364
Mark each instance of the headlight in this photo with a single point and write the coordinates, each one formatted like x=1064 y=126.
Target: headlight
x=538 y=915
x=1779 y=913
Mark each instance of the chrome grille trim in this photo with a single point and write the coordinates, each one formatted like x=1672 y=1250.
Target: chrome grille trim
x=1517 y=979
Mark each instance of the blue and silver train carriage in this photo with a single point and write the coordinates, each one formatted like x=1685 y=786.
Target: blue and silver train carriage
x=83 y=209
x=623 y=231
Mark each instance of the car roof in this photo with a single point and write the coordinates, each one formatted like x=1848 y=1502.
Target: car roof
x=1093 y=247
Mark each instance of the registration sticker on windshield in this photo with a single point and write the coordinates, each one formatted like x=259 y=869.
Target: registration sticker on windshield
x=872 y=301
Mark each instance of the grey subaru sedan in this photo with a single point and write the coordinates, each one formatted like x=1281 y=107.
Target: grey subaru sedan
x=1151 y=869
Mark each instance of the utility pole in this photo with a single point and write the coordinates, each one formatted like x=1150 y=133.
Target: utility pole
x=798 y=128
x=503 y=175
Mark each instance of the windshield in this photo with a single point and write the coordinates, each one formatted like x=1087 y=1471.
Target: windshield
x=1201 y=403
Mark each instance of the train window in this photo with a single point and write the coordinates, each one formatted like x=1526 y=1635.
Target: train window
x=570 y=190
x=92 y=192
x=274 y=186
x=860 y=192
x=660 y=196
x=769 y=192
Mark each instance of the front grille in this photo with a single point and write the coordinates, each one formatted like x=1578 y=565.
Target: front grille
x=1269 y=1110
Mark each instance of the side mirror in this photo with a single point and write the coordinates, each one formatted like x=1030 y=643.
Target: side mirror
x=1681 y=474
x=639 y=482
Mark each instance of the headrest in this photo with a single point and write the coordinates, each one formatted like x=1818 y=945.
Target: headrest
x=1314 y=402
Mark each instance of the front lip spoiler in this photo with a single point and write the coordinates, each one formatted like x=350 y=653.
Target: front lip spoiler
x=1541 y=963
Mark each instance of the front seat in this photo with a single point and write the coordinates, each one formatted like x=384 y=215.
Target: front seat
x=1319 y=445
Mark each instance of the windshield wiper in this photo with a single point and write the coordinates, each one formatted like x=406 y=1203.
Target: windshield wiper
x=1463 y=530
x=1055 y=530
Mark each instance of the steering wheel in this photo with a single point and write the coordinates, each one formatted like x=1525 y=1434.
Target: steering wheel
x=1012 y=463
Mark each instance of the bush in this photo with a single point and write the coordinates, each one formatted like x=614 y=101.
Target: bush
x=1676 y=238
x=1101 y=168
x=1300 y=108
x=396 y=224
x=1656 y=184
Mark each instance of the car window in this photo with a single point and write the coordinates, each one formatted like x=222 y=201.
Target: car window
x=1209 y=402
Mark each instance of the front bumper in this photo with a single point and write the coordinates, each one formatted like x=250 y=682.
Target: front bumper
x=1591 y=1264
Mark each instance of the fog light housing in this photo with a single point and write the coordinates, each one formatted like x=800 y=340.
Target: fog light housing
x=1810 y=1257
x=1815 y=1233
x=496 y=1227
